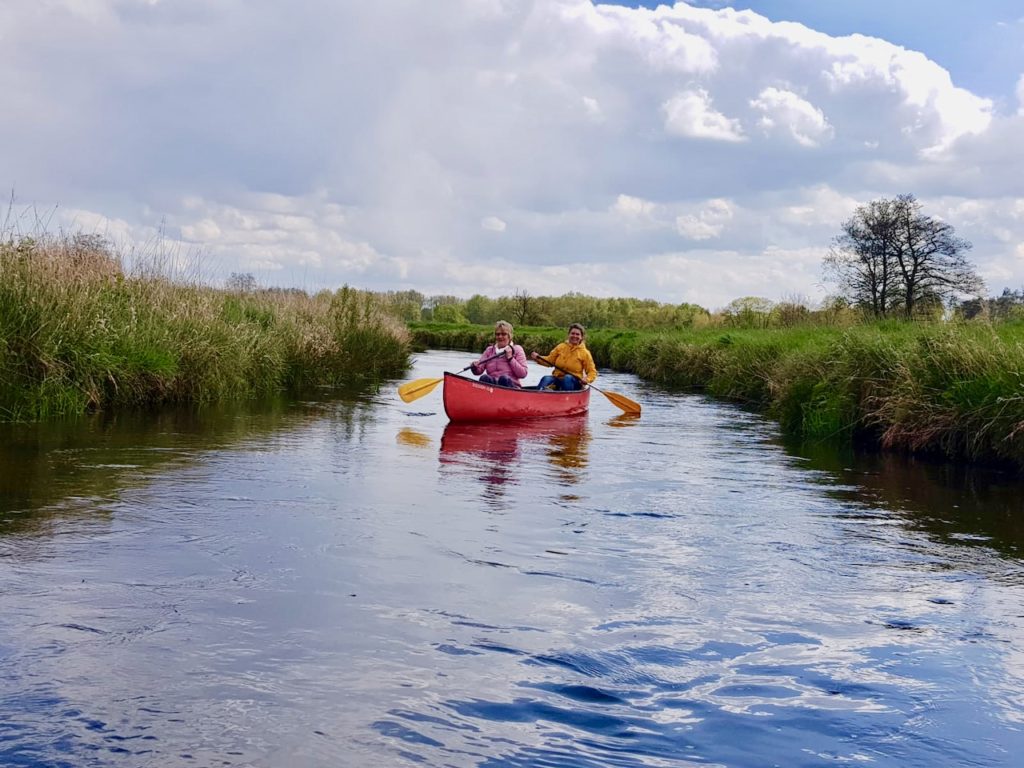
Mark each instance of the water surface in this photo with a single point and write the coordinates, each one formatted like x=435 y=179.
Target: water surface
x=354 y=582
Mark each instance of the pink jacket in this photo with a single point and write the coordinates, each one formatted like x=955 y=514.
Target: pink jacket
x=514 y=368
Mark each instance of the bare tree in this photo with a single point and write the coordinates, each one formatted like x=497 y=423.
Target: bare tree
x=522 y=304
x=931 y=258
x=891 y=257
x=862 y=260
x=241 y=282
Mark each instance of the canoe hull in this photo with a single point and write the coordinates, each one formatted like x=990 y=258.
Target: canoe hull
x=467 y=400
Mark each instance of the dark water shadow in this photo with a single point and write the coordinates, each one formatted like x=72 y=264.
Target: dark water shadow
x=955 y=503
x=51 y=471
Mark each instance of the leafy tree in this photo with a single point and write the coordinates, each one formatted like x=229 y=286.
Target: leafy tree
x=790 y=312
x=1008 y=306
x=748 y=312
x=481 y=310
x=405 y=305
x=432 y=304
x=836 y=310
x=687 y=314
x=972 y=308
x=449 y=313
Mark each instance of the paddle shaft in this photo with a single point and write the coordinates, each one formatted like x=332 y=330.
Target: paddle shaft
x=488 y=359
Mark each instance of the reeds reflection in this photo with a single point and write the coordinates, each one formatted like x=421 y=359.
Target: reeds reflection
x=494 y=449
x=959 y=504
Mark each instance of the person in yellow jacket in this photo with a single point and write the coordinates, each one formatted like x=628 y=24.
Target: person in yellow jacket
x=572 y=361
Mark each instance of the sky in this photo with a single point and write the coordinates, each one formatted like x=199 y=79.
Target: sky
x=695 y=152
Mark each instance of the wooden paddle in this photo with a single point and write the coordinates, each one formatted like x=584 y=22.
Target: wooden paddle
x=414 y=390
x=619 y=401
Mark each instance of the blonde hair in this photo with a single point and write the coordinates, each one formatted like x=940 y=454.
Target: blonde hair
x=580 y=328
x=501 y=325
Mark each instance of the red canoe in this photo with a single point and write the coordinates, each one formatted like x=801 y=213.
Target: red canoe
x=468 y=400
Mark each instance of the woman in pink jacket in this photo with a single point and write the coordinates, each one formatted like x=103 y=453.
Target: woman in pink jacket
x=509 y=364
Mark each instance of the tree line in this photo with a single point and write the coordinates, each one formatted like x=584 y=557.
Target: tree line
x=889 y=261
x=522 y=308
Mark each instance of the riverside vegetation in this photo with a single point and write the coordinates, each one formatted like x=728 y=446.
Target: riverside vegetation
x=78 y=333
x=955 y=389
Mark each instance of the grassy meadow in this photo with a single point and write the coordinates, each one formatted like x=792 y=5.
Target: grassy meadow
x=78 y=333
x=955 y=389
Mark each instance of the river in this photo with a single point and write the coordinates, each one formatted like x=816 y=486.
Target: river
x=354 y=582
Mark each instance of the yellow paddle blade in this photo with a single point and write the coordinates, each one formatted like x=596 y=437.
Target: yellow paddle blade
x=621 y=401
x=414 y=390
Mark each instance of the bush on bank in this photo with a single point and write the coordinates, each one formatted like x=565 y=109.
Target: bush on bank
x=77 y=333
x=954 y=389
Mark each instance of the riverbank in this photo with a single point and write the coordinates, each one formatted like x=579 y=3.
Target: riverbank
x=950 y=389
x=78 y=333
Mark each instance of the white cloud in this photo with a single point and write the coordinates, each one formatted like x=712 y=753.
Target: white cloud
x=817 y=207
x=786 y=112
x=598 y=140
x=633 y=207
x=708 y=222
x=666 y=46
x=930 y=106
x=592 y=108
x=691 y=115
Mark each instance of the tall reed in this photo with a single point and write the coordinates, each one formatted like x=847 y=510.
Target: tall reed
x=79 y=333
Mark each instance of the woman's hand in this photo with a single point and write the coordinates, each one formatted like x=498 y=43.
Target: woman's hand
x=534 y=355
x=509 y=352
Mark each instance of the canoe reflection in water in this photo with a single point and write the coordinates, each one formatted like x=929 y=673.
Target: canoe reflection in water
x=495 y=448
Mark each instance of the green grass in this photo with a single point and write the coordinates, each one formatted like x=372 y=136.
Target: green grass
x=77 y=334
x=953 y=389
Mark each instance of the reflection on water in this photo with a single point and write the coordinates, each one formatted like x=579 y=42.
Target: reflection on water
x=624 y=420
x=55 y=470
x=493 y=451
x=412 y=438
x=955 y=502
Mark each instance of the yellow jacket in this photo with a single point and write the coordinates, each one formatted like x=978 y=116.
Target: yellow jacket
x=573 y=358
